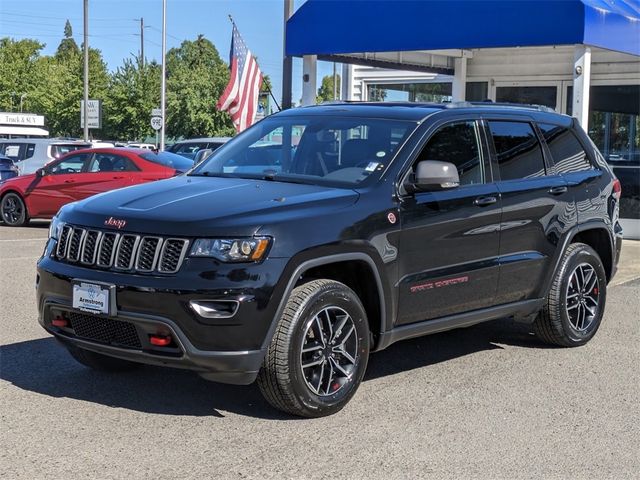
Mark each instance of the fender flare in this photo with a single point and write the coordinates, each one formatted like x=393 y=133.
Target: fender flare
x=566 y=241
x=316 y=262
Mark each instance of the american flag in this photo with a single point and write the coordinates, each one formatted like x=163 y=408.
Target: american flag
x=240 y=98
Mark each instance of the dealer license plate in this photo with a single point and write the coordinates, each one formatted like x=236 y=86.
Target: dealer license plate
x=90 y=297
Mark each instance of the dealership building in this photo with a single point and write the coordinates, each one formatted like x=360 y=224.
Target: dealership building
x=579 y=57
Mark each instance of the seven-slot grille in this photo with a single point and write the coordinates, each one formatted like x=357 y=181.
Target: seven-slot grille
x=121 y=251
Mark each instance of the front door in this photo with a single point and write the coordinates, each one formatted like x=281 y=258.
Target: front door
x=450 y=238
x=58 y=186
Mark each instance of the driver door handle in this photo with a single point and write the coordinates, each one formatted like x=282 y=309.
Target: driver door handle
x=484 y=201
x=69 y=181
x=559 y=190
x=117 y=177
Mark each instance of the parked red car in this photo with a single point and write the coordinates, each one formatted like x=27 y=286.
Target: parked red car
x=80 y=174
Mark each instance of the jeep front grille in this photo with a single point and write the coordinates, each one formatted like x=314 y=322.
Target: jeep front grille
x=123 y=252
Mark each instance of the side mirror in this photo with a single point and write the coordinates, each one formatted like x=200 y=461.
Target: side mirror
x=40 y=172
x=435 y=175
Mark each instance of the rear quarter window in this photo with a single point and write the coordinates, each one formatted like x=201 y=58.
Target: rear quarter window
x=567 y=152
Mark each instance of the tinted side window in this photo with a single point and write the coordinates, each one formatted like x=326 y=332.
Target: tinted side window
x=518 y=151
x=457 y=143
x=71 y=164
x=567 y=152
x=108 y=162
x=31 y=148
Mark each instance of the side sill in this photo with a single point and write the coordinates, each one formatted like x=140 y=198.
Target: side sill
x=460 y=320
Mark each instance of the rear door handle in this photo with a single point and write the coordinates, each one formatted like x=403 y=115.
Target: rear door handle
x=558 y=190
x=484 y=201
x=117 y=178
x=69 y=181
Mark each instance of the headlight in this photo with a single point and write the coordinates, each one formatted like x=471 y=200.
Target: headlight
x=55 y=228
x=231 y=250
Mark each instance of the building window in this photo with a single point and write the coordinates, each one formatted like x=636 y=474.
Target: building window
x=409 y=92
x=477 y=91
x=530 y=95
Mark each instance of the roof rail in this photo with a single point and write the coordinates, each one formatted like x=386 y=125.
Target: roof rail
x=491 y=103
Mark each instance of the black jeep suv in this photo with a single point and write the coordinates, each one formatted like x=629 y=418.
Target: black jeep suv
x=322 y=234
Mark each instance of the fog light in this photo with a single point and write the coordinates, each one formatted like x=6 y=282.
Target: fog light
x=160 y=340
x=60 y=322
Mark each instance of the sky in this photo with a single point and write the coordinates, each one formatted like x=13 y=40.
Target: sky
x=114 y=28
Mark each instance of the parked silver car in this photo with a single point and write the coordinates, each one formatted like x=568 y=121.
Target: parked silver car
x=30 y=154
x=190 y=148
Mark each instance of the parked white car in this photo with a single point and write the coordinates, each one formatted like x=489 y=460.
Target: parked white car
x=30 y=154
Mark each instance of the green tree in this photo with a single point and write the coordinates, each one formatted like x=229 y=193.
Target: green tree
x=134 y=90
x=19 y=72
x=196 y=77
x=325 y=92
x=68 y=48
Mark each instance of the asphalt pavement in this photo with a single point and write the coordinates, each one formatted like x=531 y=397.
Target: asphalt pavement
x=487 y=402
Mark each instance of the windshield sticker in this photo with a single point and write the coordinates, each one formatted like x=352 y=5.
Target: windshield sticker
x=372 y=166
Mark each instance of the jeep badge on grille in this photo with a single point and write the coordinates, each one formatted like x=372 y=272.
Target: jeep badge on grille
x=115 y=222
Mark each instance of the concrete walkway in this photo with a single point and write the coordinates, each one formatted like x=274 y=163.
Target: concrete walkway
x=629 y=265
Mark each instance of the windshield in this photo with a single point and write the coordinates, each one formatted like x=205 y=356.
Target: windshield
x=169 y=159
x=320 y=150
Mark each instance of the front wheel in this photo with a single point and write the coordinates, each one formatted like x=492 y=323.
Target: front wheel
x=319 y=352
x=13 y=210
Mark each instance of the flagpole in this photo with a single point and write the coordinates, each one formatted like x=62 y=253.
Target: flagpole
x=163 y=80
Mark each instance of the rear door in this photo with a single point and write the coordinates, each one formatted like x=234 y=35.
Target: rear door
x=107 y=171
x=58 y=185
x=450 y=238
x=537 y=208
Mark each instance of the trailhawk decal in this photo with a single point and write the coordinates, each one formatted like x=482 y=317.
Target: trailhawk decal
x=439 y=284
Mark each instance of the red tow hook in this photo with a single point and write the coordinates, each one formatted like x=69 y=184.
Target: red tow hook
x=160 y=340
x=60 y=322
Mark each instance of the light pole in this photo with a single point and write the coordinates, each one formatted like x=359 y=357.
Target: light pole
x=86 y=70
x=22 y=97
x=163 y=82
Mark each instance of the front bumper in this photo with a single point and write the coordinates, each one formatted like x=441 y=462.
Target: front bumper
x=228 y=350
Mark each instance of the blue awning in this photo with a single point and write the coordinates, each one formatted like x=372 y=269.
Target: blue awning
x=332 y=27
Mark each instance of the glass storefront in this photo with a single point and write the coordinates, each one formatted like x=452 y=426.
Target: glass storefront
x=424 y=92
x=614 y=126
x=542 y=95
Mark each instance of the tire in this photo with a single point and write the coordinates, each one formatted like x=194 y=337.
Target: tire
x=97 y=361
x=315 y=315
x=575 y=303
x=13 y=210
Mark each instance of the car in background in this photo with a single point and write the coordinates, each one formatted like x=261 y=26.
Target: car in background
x=30 y=154
x=7 y=168
x=146 y=146
x=79 y=175
x=190 y=148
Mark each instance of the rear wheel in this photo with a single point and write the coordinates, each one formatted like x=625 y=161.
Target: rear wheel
x=13 y=210
x=319 y=352
x=575 y=304
x=97 y=361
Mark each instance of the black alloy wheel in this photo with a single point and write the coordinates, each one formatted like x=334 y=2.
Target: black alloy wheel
x=319 y=352
x=575 y=304
x=13 y=210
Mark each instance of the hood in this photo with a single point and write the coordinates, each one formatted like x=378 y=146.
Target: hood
x=198 y=206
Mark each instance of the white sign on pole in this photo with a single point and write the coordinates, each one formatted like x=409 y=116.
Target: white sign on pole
x=156 y=112
x=94 y=108
x=156 y=123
